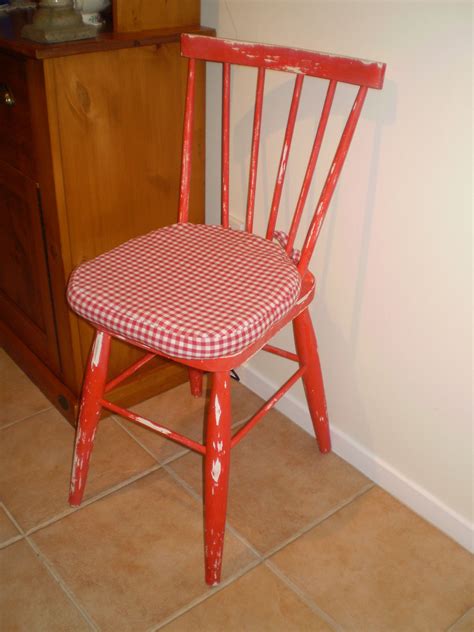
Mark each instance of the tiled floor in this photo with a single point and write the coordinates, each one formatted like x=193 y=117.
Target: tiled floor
x=311 y=543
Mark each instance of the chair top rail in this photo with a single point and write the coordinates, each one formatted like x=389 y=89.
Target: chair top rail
x=296 y=60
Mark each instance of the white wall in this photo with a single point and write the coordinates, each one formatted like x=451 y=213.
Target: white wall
x=393 y=308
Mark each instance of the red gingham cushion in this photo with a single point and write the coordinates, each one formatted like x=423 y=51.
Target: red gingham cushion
x=282 y=239
x=188 y=290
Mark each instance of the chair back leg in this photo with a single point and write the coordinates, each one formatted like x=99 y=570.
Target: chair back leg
x=195 y=381
x=89 y=414
x=307 y=350
x=216 y=474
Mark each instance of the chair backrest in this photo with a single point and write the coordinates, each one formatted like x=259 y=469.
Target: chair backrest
x=333 y=68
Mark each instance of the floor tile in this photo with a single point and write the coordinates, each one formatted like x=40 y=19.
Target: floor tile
x=376 y=566
x=279 y=481
x=180 y=411
x=30 y=599
x=7 y=528
x=465 y=623
x=257 y=601
x=19 y=397
x=136 y=556
x=36 y=456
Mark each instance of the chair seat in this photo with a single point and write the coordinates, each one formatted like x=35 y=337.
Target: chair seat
x=188 y=290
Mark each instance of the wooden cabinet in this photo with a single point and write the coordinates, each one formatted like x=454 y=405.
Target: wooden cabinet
x=25 y=294
x=89 y=157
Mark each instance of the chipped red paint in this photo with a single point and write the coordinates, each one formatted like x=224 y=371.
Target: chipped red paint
x=185 y=181
x=153 y=425
x=307 y=349
x=331 y=181
x=285 y=154
x=89 y=414
x=313 y=159
x=225 y=144
x=297 y=60
x=219 y=442
x=216 y=474
x=257 y=124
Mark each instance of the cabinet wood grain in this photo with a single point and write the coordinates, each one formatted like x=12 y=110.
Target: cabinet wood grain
x=146 y=14
x=94 y=160
x=25 y=293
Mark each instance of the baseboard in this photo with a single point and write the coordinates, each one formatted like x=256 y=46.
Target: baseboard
x=394 y=482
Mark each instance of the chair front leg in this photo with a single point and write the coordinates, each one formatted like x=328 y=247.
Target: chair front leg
x=216 y=475
x=89 y=413
x=307 y=350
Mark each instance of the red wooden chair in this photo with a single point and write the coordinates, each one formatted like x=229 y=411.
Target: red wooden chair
x=210 y=297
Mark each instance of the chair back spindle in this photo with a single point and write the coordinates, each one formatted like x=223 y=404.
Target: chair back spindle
x=335 y=69
x=331 y=181
x=313 y=159
x=285 y=154
x=257 y=125
x=185 y=181
x=225 y=144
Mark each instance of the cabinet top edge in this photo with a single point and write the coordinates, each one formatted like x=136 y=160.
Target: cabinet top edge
x=103 y=42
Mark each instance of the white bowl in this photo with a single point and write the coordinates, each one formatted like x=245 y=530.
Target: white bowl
x=90 y=11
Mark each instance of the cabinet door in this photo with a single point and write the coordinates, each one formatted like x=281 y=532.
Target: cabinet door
x=15 y=118
x=25 y=297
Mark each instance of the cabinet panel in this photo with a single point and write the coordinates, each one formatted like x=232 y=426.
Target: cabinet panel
x=16 y=142
x=143 y=14
x=25 y=299
x=120 y=119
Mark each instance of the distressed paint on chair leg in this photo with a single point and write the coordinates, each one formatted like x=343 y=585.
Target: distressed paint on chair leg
x=307 y=349
x=195 y=381
x=216 y=474
x=89 y=413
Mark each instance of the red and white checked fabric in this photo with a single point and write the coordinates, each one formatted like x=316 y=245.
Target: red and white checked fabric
x=282 y=239
x=188 y=290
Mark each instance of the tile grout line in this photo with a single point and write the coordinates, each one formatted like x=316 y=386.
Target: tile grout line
x=308 y=600
x=144 y=447
x=50 y=569
x=54 y=573
x=10 y=541
x=16 y=421
x=93 y=499
x=15 y=538
x=98 y=496
x=207 y=595
x=259 y=557
x=319 y=520
x=62 y=584
x=264 y=558
x=303 y=596
x=163 y=464
x=171 y=458
x=256 y=562
x=12 y=518
x=199 y=499
x=462 y=619
x=299 y=533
